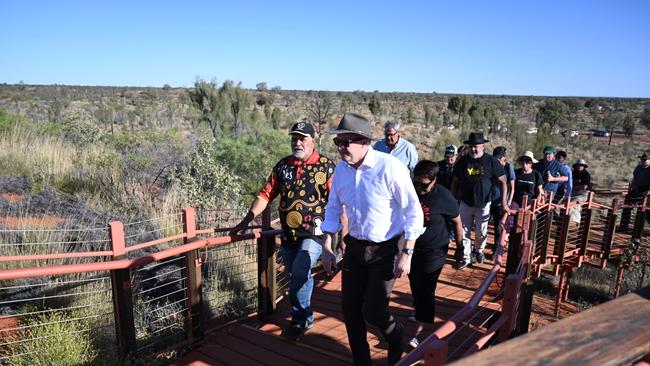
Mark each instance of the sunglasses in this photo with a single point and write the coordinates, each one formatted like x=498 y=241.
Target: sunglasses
x=419 y=186
x=346 y=143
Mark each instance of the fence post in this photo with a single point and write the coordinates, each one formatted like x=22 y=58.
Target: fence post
x=510 y=299
x=564 y=234
x=609 y=235
x=266 y=275
x=639 y=222
x=122 y=294
x=525 y=308
x=192 y=275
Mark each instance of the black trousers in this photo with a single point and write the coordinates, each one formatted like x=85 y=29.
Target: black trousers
x=423 y=287
x=367 y=282
x=495 y=212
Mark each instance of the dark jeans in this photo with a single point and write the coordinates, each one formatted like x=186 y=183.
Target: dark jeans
x=423 y=288
x=495 y=212
x=367 y=283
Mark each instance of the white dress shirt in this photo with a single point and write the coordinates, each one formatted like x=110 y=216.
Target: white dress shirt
x=379 y=199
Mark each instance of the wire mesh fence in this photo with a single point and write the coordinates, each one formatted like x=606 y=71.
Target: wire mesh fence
x=230 y=280
x=159 y=304
x=57 y=320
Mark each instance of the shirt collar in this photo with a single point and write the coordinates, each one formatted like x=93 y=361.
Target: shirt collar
x=313 y=159
x=370 y=159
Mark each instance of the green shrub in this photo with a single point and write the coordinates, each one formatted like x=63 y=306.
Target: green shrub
x=55 y=339
x=205 y=181
x=252 y=157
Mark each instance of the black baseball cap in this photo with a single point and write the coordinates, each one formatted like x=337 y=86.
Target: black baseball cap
x=303 y=128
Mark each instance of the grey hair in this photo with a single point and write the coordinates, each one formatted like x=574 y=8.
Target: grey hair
x=395 y=125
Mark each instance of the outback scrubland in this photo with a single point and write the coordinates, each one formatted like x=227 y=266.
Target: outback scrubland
x=76 y=157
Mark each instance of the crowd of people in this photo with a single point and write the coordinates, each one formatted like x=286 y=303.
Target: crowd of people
x=401 y=215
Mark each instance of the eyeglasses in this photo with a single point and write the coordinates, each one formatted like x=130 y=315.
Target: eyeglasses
x=346 y=143
x=388 y=134
x=421 y=186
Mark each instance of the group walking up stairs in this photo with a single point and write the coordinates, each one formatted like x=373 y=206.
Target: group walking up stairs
x=193 y=291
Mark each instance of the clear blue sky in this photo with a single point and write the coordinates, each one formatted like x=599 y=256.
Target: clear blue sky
x=577 y=48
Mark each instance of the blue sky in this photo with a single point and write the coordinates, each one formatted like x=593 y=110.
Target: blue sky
x=567 y=48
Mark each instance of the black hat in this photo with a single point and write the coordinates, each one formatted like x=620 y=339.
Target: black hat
x=353 y=123
x=644 y=156
x=302 y=128
x=499 y=152
x=475 y=138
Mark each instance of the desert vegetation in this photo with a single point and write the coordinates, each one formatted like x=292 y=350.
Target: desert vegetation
x=75 y=158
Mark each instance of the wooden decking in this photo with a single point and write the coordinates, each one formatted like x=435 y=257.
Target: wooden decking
x=326 y=343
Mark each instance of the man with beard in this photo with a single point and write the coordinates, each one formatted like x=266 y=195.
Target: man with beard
x=472 y=185
x=303 y=181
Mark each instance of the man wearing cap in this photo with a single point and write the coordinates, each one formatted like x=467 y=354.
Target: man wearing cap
x=472 y=184
x=302 y=181
x=446 y=166
x=500 y=153
x=639 y=186
x=395 y=145
x=552 y=171
x=385 y=218
x=565 y=189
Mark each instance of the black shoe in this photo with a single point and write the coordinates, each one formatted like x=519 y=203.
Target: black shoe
x=480 y=257
x=295 y=331
x=395 y=344
x=461 y=264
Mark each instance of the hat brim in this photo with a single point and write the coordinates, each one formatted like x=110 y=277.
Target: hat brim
x=527 y=157
x=468 y=142
x=584 y=165
x=646 y=157
x=300 y=133
x=338 y=132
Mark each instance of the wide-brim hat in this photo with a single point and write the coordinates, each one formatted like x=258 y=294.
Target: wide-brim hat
x=644 y=156
x=581 y=162
x=353 y=123
x=475 y=138
x=528 y=154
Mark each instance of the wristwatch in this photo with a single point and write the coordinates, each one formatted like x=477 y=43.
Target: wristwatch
x=407 y=251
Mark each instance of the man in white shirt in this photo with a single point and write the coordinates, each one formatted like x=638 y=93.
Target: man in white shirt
x=381 y=206
x=399 y=147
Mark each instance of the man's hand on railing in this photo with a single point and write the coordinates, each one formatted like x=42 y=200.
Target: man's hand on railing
x=242 y=225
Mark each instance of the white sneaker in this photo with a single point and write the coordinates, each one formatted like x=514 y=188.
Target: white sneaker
x=414 y=343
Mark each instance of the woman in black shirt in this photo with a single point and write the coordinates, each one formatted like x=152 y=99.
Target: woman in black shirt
x=528 y=182
x=439 y=208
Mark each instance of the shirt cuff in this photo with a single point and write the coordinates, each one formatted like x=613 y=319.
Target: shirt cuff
x=331 y=227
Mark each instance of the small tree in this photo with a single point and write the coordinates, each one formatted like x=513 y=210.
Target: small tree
x=629 y=125
x=644 y=118
x=375 y=104
x=319 y=109
x=212 y=107
x=554 y=112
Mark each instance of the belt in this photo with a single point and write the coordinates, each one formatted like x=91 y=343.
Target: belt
x=373 y=243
